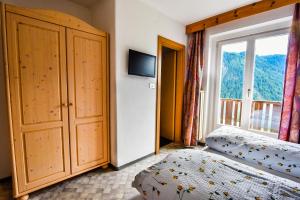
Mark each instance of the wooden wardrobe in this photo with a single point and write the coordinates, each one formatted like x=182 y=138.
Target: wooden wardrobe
x=58 y=96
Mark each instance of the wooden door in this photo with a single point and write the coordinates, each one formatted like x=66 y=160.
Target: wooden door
x=168 y=85
x=87 y=99
x=38 y=91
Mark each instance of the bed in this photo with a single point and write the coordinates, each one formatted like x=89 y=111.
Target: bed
x=213 y=173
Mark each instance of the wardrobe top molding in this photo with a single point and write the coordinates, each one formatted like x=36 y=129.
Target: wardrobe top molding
x=245 y=11
x=55 y=17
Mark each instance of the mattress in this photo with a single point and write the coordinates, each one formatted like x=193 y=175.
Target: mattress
x=197 y=174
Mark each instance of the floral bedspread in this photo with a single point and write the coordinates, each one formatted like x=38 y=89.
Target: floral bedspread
x=196 y=174
x=258 y=149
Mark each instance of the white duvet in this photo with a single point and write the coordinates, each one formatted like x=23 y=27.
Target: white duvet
x=196 y=174
x=258 y=149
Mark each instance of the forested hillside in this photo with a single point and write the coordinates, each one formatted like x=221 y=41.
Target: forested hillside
x=268 y=78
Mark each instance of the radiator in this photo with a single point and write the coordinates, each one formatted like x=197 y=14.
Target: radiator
x=201 y=135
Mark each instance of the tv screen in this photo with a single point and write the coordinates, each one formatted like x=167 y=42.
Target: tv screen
x=141 y=64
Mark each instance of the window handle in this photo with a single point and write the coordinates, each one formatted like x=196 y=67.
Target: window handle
x=249 y=91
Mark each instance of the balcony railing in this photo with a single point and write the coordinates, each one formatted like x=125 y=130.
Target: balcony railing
x=231 y=111
x=265 y=115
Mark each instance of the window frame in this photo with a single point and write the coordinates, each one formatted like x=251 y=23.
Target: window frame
x=248 y=76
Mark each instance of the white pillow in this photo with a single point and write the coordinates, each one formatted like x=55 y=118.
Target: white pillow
x=262 y=150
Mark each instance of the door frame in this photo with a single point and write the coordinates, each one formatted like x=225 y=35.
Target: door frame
x=180 y=77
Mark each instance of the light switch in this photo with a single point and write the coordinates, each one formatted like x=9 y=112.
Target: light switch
x=152 y=85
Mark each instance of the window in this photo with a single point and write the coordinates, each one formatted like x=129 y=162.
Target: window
x=251 y=76
x=232 y=82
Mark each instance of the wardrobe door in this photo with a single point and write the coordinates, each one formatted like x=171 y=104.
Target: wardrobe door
x=38 y=92
x=87 y=99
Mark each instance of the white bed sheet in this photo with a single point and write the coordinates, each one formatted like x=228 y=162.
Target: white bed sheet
x=276 y=173
x=197 y=174
x=271 y=153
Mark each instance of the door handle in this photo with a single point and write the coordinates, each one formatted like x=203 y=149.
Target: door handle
x=70 y=104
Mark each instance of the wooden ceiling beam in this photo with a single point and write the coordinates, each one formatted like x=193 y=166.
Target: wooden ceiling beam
x=245 y=11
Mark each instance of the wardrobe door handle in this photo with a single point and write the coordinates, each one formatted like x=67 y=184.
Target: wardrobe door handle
x=71 y=104
x=64 y=105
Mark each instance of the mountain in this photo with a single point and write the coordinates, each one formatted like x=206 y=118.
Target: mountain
x=268 y=76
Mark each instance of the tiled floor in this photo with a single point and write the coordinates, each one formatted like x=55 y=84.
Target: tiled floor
x=98 y=184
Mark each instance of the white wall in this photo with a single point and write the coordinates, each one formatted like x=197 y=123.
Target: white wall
x=275 y=19
x=103 y=17
x=137 y=27
x=61 y=5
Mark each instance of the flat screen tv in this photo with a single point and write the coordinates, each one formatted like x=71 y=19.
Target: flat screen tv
x=141 y=64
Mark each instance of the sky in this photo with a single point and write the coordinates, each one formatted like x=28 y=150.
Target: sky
x=264 y=46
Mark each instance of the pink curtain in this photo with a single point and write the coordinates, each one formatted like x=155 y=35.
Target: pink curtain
x=192 y=88
x=290 y=117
